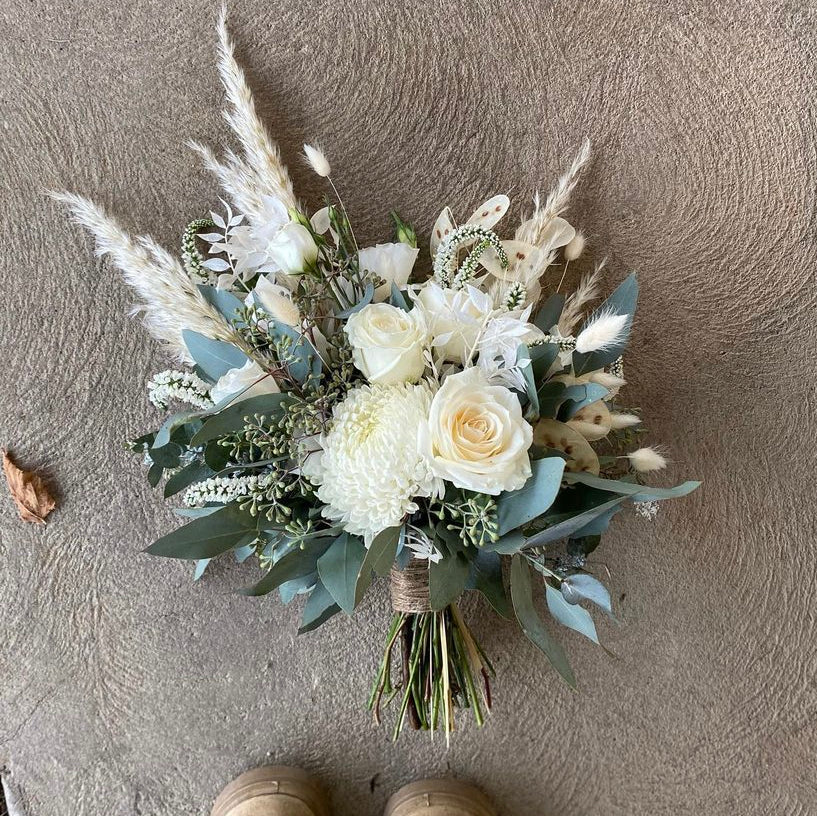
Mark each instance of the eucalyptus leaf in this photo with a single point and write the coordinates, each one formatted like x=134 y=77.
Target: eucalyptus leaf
x=339 y=568
x=542 y=358
x=225 y=303
x=598 y=525
x=622 y=301
x=585 y=587
x=214 y=357
x=485 y=576
x=548 y=316
x=398 y=299
x=570 y=615
x=523 y=362
x=508 y=544
x=446 y=581
x=197 y=512
x=550 y=396
x=188 y=475
x=167 y=455
x=171 y=424
x=571 y=525
x=319 y=607
x=155 y=472
x=205 y=537
x=636 y=492
x=368 y=294
x=294 y=564
x=577 y=396
x=531 y=623
x=201 y=566
x=518 y=507
x=379 y=559
x=232 y=418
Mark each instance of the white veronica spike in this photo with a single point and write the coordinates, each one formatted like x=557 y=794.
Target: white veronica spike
x=490 y=211
x=443 y=226
x=604 y=331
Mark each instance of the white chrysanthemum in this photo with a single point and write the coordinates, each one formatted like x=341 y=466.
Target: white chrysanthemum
x=370 y=470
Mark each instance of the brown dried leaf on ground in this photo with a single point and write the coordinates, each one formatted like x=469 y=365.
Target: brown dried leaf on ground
x=29 y=491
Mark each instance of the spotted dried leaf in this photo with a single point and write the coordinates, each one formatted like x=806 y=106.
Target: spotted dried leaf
x=30 y=493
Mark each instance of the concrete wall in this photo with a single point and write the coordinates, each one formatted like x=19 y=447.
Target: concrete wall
x=126 y=689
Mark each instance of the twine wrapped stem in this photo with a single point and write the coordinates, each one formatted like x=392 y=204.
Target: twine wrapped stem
x=409 y=588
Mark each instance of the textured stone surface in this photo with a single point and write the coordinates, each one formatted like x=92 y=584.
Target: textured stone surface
x=126 y=689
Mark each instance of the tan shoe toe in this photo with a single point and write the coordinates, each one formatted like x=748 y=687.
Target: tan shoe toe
x=272 y=790
x=439 y=797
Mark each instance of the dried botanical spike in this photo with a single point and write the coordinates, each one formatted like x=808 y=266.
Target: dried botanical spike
x=30 y=493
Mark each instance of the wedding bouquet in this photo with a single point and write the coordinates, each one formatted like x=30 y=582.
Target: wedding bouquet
x=360 y=411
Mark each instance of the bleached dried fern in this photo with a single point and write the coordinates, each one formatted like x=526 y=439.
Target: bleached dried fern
x=170 y=301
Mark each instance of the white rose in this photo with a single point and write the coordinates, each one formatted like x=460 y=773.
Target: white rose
x=292 y=249
x=250 y=376
x=392 y=262
x=455 y=318
x=275 y=300
x=476 y=437
x=388 y=344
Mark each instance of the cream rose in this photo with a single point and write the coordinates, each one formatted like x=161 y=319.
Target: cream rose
x=476 y=437
x=292 y=249
x=392 y=262
x=388 y=344
x=250 y=377
x=455 y=318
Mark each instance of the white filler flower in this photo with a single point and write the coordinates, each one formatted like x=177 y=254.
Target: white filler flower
x=476 y=437
x=371 y=470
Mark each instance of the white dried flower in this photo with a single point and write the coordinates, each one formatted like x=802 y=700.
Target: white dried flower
x=183 y=386
x=646 y=509
x=317 y=160
x=371 y=470
x=645 y=460
x=574 y=248
x=619 y=421
x=606 y=329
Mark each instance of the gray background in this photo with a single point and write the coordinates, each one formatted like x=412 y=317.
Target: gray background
x=126 y=689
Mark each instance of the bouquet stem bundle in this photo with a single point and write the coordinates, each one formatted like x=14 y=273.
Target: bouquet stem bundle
x=443 y=667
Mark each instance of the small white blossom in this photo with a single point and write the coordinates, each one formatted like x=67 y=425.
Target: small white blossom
x=646 y=509
x=421 y=545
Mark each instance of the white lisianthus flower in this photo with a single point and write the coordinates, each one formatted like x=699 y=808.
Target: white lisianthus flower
x=475 y=436
x=292 y=249
x=455 y=318
x=275 y=300
x=249 y=381
x=392 y=262
x=388 y=344
x=370 y=470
